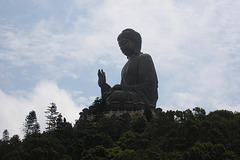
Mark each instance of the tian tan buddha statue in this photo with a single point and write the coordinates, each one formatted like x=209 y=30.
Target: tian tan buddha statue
x=138 y=77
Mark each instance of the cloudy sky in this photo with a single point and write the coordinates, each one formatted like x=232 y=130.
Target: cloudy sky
x=50 y=51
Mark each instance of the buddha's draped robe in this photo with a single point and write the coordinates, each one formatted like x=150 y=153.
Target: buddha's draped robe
x=139 y=82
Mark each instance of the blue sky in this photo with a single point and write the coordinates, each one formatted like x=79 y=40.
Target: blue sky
x=50 y=52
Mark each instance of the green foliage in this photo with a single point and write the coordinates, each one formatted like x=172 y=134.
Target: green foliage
x=52 y=116
x=132 y=140
x=5 y=136
x=114 y=126
x=170 y=135
x=199 y=113
x=138 y=124
x=31 y=126
x=90 y=141
x=209 y=151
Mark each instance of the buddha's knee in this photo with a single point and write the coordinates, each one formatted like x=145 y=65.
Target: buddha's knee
x=123 y=96
x=118 y=96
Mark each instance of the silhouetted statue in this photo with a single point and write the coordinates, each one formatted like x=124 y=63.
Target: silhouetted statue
x=139 y=80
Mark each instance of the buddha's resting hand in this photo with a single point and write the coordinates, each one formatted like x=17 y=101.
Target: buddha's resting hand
x=116 y=87
x=101 y=78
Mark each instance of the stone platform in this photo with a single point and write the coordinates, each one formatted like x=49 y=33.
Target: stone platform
x=100 y=109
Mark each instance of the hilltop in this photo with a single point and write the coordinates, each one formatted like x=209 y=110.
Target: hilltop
x=190 y=134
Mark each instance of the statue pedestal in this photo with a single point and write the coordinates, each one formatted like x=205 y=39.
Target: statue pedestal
x=116 y=109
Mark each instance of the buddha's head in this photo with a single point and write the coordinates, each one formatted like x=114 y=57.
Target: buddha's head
x=130 y=42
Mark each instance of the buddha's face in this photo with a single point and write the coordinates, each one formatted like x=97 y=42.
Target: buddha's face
x=127 y=46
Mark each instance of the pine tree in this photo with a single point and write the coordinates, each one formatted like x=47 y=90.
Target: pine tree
x=31 y=126
x=5 y=135
x=51 y=117
x=59 y=121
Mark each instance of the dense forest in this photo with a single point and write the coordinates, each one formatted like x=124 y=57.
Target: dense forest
x=171 y=135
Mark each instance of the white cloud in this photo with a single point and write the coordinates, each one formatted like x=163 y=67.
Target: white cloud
x=85 y=101
x=195 y=46
x=15 y=107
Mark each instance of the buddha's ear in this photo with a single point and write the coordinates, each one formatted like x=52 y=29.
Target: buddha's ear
x=134 y=40
x=136 y=45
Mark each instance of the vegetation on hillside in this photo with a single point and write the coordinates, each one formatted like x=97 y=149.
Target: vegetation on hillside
x=171 y=135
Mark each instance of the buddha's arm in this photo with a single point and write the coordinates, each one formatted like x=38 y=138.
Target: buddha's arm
x=102 y=82
x=147 y=77
x=146 y=71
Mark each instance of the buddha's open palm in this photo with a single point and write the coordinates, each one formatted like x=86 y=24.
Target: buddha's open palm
x=101 y=78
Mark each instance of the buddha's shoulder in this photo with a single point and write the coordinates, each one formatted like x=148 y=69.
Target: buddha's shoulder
x=145 y=56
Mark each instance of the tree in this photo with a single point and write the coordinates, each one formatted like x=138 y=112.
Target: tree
x=31 y=126
x=51 y=117
x=5 y=135
x=199 y=113
x=169 y=135
x=139 y=124
x=15 y=140
x=59 y=121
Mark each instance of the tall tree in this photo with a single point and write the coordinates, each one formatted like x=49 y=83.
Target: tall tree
x=5 y=135
x=31 y=125
x=52 y=116
x=59 y=121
